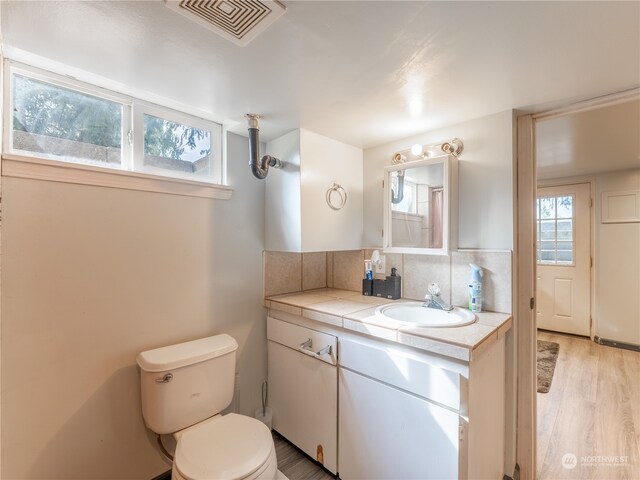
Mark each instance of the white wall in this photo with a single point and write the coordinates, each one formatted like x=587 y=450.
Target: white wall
x=90 y=277
x=617 y=266
x=485 y=181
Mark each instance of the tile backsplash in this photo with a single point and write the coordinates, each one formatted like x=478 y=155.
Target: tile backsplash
x=293 y=272
x=421 y=270
x=314 y=270
x=282 y=272
x=496 y=281
x=348 y=270
x=330 y=269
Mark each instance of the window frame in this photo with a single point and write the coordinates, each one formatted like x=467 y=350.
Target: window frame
x=140 y=109
x=555 y=219
x=130 y=174
x=70 y=84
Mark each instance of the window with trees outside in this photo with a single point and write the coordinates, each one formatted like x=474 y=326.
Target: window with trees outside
x=555 y=230
x=54 y=118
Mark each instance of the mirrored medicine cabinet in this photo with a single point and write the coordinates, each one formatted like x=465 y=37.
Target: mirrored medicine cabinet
x=420 y=206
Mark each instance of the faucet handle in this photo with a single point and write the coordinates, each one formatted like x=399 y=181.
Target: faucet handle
x=434 y=289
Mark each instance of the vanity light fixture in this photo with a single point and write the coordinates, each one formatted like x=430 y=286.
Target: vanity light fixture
x=452 y=147
x=398 y=158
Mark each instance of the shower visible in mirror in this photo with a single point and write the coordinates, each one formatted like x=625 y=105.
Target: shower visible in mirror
x=418 y=206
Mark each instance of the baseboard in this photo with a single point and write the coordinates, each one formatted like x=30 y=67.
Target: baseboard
x=613 y=343
x=163 y=476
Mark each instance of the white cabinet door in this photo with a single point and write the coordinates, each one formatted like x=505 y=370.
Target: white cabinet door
x=304 y=398
x=386 y=433
x=298 y=218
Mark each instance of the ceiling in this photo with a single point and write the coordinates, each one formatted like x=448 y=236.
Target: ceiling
x=361 y=72
x=585 y=143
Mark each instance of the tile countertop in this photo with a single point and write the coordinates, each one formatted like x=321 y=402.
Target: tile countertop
x=356 y=312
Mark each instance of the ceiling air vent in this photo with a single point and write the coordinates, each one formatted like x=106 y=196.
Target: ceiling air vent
x=237 y=20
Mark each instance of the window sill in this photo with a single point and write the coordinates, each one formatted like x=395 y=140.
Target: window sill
x=20 y=166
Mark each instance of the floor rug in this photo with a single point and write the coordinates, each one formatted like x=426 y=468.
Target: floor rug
x=547 y=358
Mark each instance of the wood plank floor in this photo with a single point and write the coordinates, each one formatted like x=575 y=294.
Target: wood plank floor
x=592 y=411
x=295 y=464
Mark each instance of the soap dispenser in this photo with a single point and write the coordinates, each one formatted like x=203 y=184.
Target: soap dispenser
x=394 y=284
x=389 y=287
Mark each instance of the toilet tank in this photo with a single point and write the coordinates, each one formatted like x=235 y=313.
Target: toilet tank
x=183 y=384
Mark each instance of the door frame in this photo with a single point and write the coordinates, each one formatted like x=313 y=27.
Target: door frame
x=592 y=236
x=524 y=282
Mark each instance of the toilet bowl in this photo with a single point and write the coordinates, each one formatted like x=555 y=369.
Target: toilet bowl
x=229 y=447
x=184 y=388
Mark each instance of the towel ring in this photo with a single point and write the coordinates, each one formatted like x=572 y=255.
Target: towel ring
x=342 y=193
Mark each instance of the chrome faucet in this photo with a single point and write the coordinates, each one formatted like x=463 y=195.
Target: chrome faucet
x=433 y=299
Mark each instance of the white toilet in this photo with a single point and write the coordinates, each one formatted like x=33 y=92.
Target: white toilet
x=184 y=388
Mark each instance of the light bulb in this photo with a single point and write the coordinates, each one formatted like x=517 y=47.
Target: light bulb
x=416 y=149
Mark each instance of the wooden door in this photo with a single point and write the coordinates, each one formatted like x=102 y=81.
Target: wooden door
x=563 y=247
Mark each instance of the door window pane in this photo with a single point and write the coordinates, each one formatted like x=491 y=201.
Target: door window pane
x=555 y=224
x=548 y=227
x=547 y=256
x=548 y=245
x=567 y=246
x=547 y=208
x=173 y=146
x=548 y=235
x=565 y=225
x=565 y=235
x=565 y=257
x=65 y=124
x=564 y=207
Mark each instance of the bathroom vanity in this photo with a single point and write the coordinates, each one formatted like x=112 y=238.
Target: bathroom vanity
x=372 y=398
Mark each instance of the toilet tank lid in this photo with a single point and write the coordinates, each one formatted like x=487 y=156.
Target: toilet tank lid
x=187 y=353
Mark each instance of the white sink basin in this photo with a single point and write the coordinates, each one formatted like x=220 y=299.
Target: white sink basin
x=414 y=313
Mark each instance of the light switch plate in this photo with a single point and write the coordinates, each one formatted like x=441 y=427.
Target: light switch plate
x=381 y=267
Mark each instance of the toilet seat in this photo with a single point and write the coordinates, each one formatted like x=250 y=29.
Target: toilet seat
x=229 y=447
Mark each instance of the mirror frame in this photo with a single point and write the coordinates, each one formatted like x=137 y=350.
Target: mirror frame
x=450 y=206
